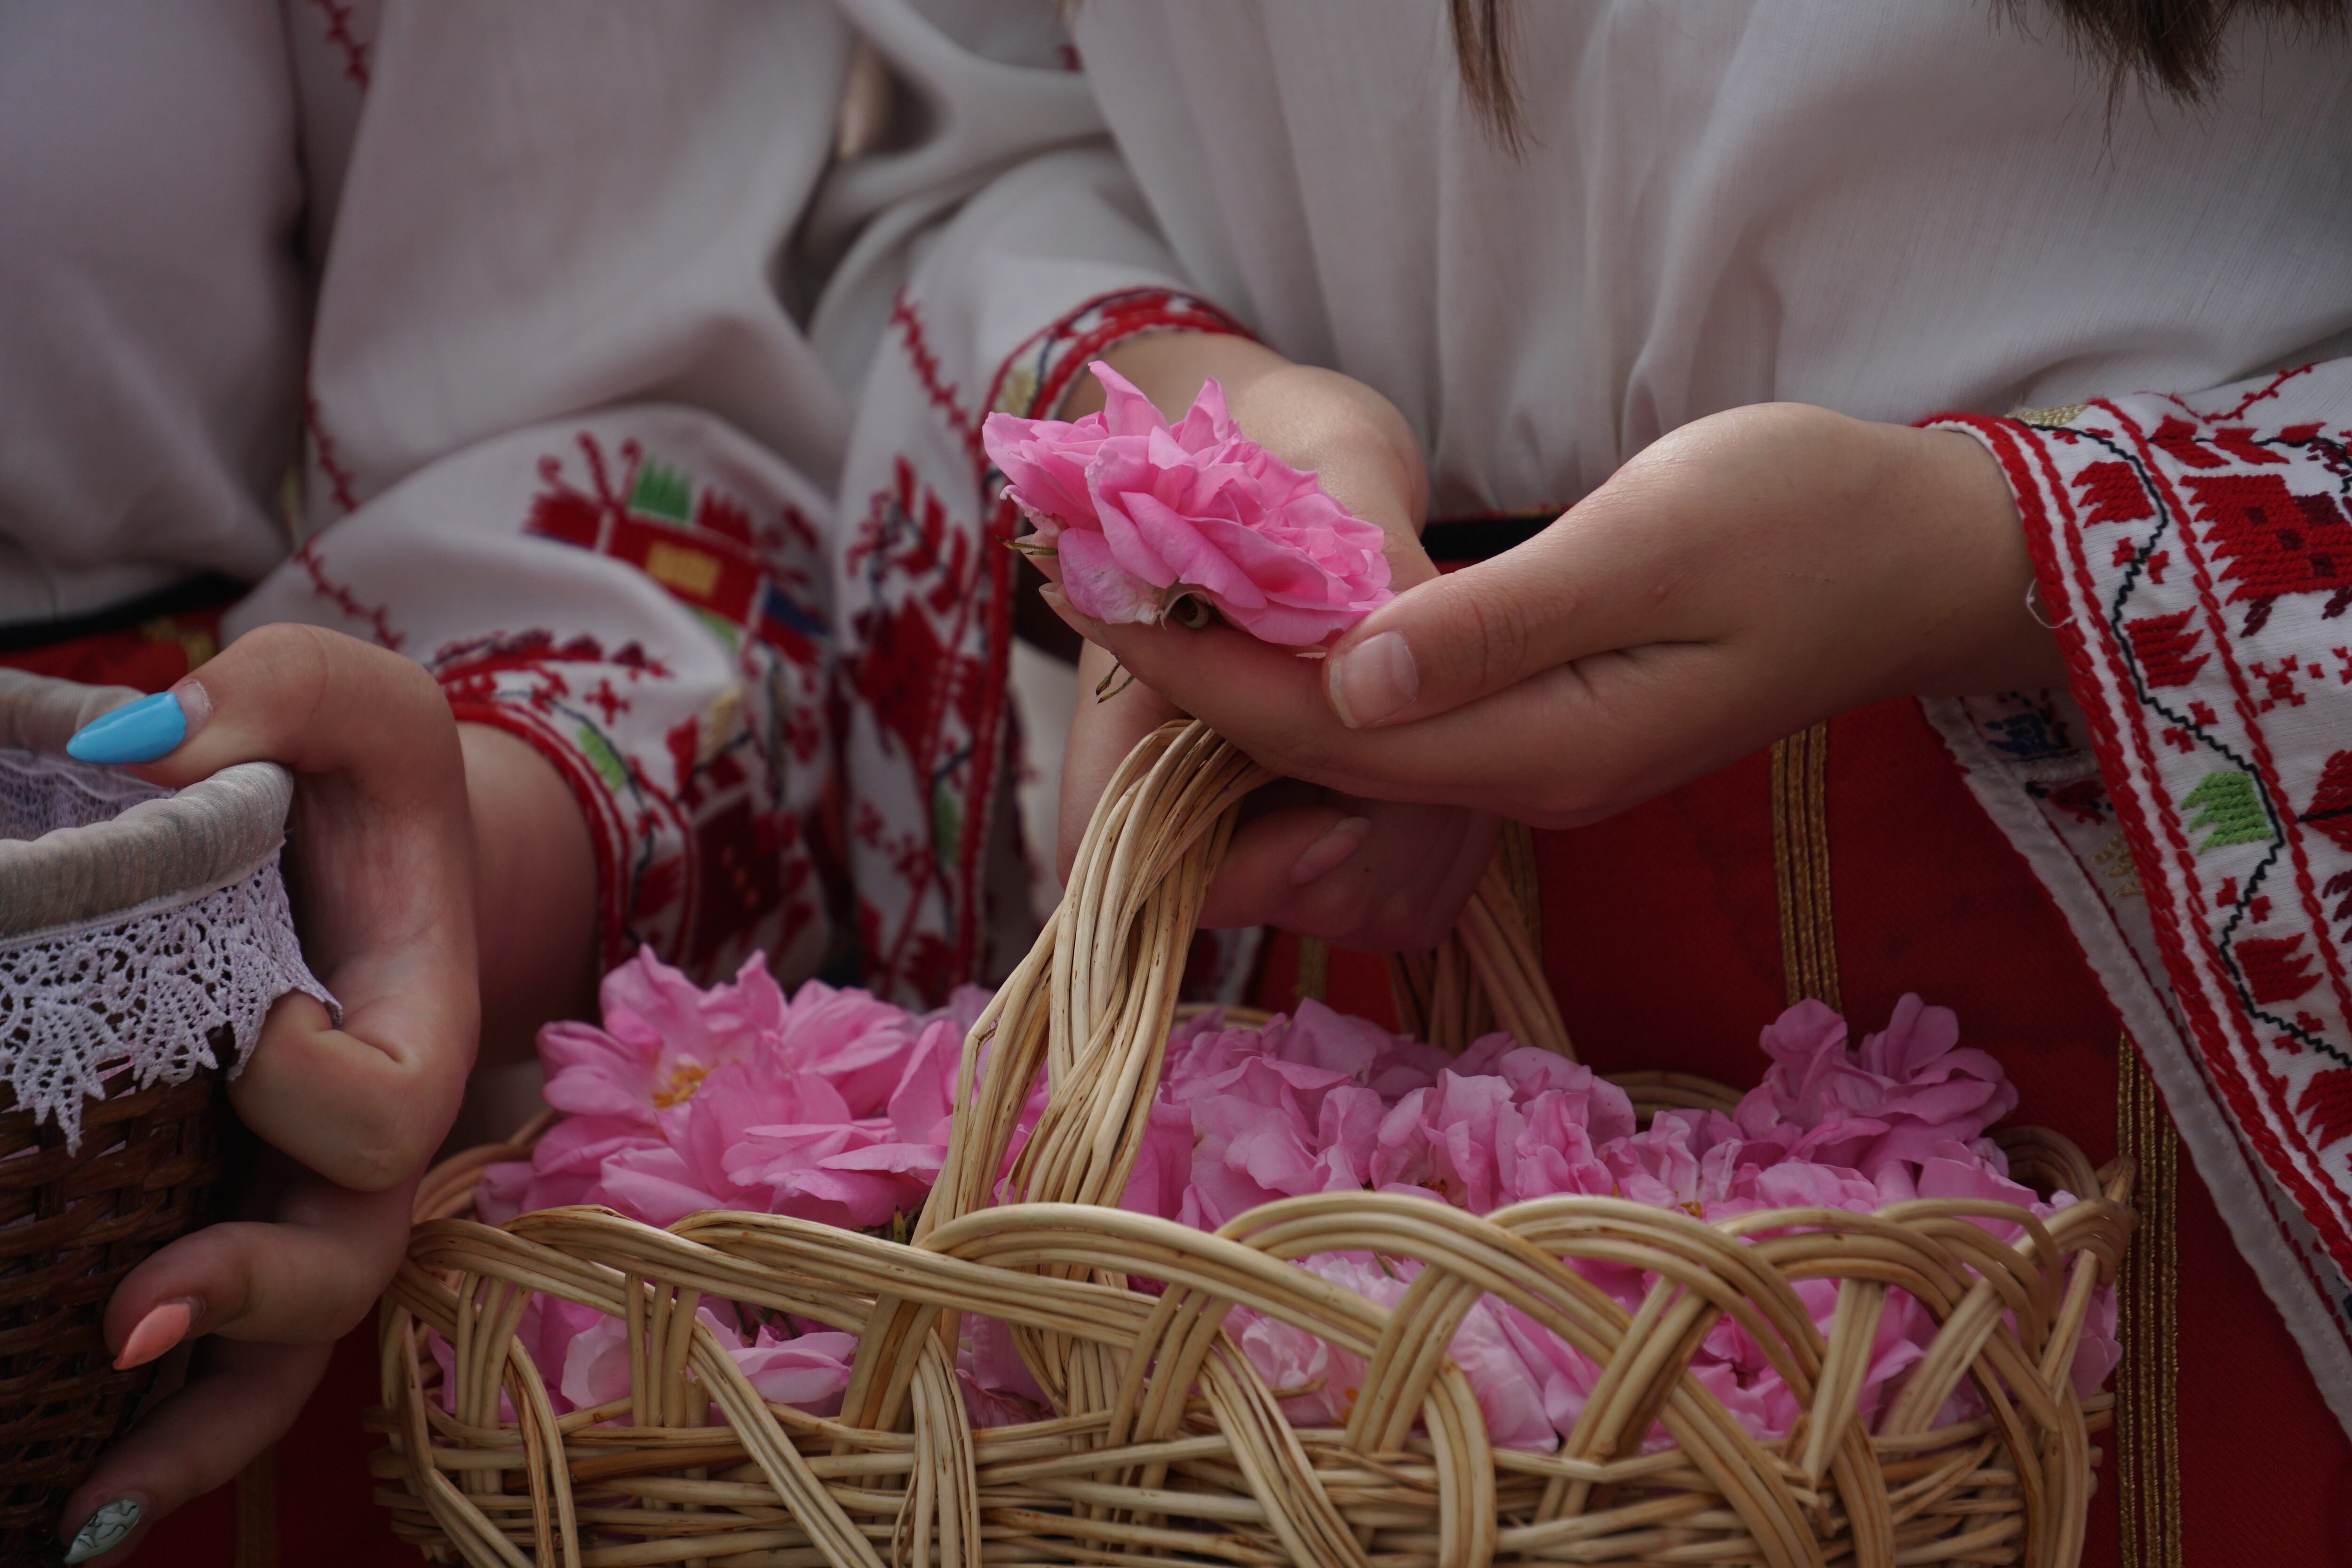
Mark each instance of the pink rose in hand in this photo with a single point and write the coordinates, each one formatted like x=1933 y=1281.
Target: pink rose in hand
x=1140 y=513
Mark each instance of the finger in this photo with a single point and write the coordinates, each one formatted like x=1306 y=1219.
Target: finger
x=242 y=1399
x=364 y=1106
x=311 y=1274
x=1584 y=585
x=318 y=702
x=1568 y=745
x=1271 y=856
x=1267 y=700
x=1372 y=876
x=380 y=866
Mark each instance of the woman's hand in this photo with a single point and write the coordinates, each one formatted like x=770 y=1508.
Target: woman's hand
x=1366 y=873
x=392 y=798
x=379 y=867
x=276 y=1291
x=1747 y=576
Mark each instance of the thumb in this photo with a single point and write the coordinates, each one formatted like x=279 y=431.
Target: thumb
x=1472 y=633
x=312 y=699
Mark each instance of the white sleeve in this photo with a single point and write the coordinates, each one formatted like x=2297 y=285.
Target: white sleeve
x=567 y=448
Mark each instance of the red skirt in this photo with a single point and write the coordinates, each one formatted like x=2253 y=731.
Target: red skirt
x=1856 y=867
x=307 y=1499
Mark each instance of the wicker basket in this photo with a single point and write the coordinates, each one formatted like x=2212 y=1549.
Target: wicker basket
x=102 y=987
x=1166 y=1445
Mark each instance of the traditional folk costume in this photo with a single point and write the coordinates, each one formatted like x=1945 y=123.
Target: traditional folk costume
x=501 y=293
x=463 y=330
x=2133 y=891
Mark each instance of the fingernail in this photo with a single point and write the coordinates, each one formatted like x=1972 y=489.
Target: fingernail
x=196 y=702
x=1060 y=604
x=1339 y=841
x=1371 y=680
x=165 y=1325
x=104 y=1530
x=139 y=731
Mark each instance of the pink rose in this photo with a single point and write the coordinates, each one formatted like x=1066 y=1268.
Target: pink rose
x=998 y=1390
x=834 y=1174
x=1909 y=1089
x=1140 y=513
x=853 y=1039
x=809 y=1372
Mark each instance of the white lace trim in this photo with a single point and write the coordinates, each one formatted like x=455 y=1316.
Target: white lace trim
x=166 y=989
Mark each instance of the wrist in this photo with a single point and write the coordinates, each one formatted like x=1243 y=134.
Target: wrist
x=1973 y=625
x=1348 y=434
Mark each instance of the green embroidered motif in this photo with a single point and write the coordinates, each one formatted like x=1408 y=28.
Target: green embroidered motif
x=720 y=626
x=947 y=822
x=602 y=758
x=2226 y=802
x=662 y=491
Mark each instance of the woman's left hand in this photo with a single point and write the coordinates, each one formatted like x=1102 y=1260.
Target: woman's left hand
x=1744 y=576
x=257 y=1304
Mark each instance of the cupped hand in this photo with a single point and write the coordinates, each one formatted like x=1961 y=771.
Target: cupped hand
x=1745 y=576
x=1364 y=873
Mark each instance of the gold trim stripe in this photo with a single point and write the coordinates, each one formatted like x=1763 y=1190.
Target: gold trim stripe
x=1800 y=866
x=1314 y=982
x=257 y=1511
x=2147 y=1384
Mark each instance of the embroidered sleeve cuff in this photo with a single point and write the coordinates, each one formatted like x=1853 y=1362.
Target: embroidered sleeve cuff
x=1034 y=378
x=2195 y=554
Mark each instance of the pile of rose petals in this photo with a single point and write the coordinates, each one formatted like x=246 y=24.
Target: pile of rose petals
x=834 y=1105
x=1139 y=514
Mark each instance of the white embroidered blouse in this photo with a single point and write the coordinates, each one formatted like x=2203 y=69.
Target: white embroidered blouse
x=507 y=287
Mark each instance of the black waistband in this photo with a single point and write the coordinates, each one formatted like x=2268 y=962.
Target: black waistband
x=196 y=592
x=1463 y=539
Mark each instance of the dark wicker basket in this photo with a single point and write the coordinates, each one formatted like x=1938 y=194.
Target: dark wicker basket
x=72 y=1226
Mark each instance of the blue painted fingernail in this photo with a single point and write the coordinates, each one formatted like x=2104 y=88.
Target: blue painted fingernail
x=137 y=731
x=104 y=1530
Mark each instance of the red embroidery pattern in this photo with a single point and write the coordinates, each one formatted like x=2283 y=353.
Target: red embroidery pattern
x=943 y=396
x=338 y=15
x=343 y=599
x=323 y=450
x=925 y=623
x=701 y=852
x=1034 y=377
x=2204 y=696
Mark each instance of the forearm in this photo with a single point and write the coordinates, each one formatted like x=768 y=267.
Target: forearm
x=535 y=900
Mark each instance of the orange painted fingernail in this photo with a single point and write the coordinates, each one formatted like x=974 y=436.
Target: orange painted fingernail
x=166 y=1325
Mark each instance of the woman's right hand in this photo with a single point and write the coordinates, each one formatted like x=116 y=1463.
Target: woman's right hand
x=1360 y=873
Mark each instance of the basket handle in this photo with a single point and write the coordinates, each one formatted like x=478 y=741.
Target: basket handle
x=1095 y=998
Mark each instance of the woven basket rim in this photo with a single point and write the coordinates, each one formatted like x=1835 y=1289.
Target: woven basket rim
x=154 y=852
